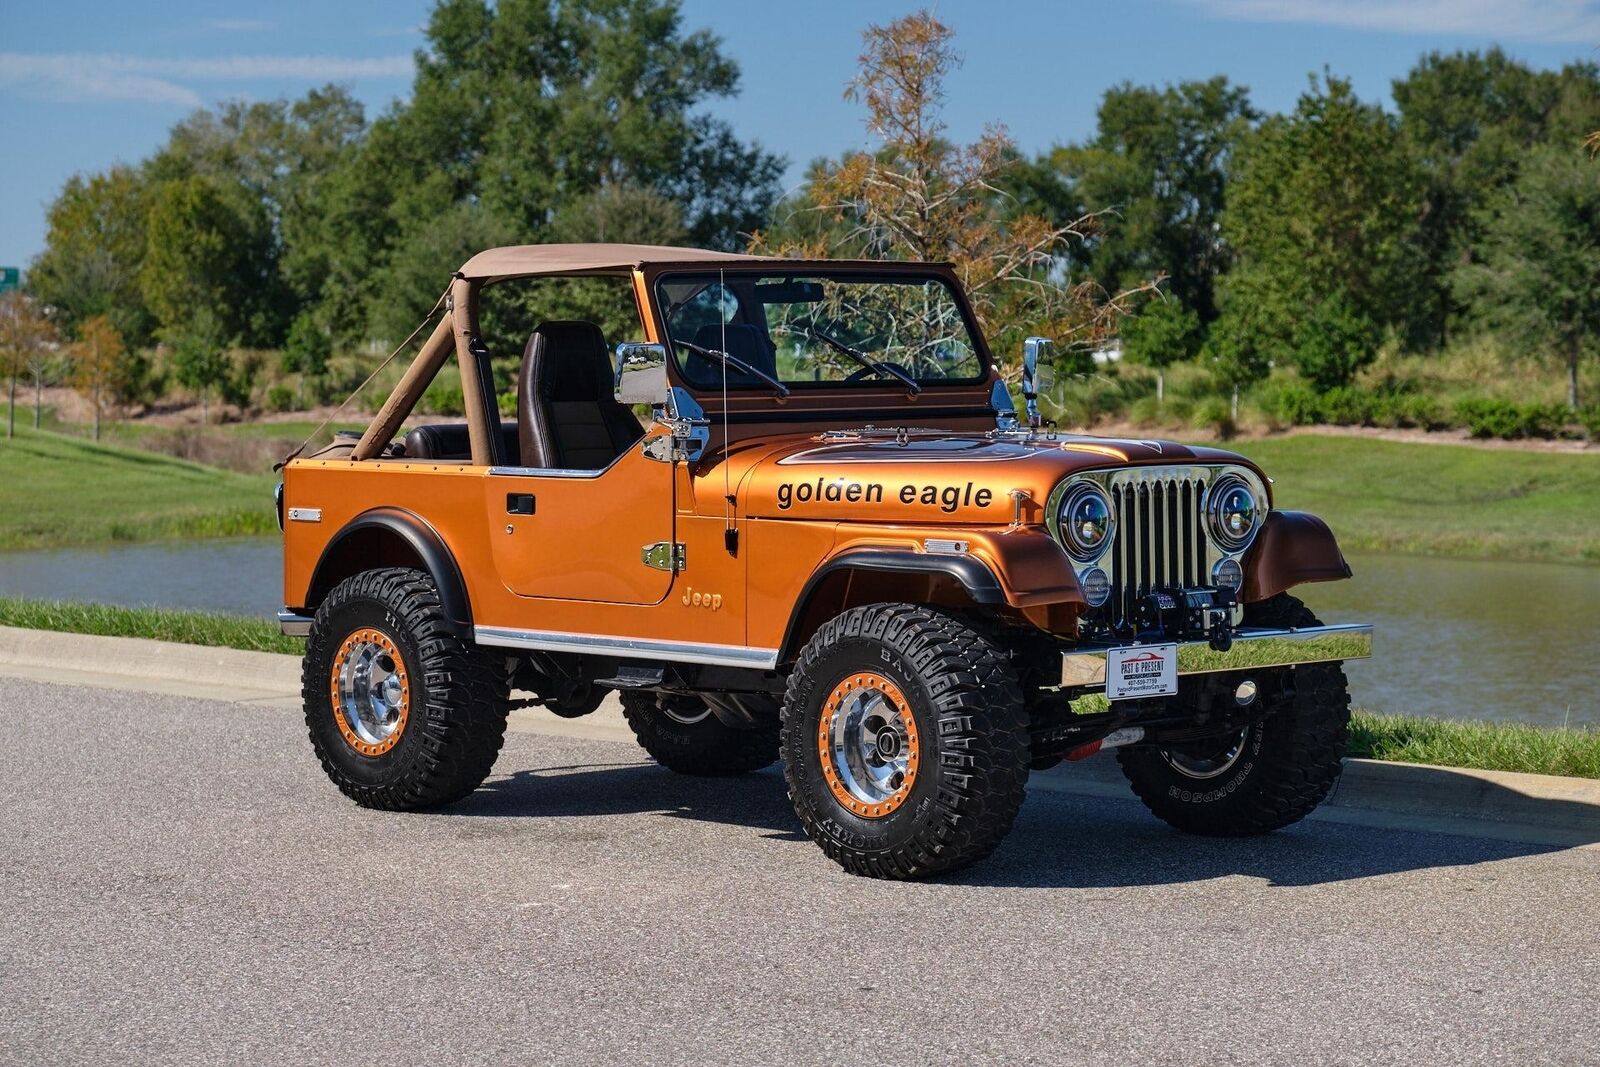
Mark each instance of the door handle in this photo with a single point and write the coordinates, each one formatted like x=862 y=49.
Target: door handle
x=519 y=503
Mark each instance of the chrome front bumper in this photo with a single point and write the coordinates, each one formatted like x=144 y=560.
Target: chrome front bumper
x=1252 y=650
x=293 y=625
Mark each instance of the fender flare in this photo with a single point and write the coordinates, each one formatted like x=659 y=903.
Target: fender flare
x=971 y=573
x=420 y=536
x=1292 y=548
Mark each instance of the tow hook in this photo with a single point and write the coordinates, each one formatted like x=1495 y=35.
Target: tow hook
x=1128 y=735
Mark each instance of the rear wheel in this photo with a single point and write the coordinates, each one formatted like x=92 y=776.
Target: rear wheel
x=905 y=742
x=1266 y=776
x=683 y=734
x=402 y=714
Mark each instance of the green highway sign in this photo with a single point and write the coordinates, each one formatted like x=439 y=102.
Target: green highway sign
x=10 y=278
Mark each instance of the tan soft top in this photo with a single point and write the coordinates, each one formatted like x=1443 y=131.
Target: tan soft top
x=525 y=260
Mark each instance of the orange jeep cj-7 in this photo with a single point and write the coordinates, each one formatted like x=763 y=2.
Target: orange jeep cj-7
x=832 y=541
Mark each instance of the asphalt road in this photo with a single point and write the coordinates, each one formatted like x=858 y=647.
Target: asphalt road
x=179 y=883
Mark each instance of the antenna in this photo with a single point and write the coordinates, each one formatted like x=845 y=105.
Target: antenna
x=730 y=532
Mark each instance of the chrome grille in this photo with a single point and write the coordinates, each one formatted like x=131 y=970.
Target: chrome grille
x=1160 y=539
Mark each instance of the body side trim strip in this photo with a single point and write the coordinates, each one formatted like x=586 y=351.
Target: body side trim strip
x=628 y=647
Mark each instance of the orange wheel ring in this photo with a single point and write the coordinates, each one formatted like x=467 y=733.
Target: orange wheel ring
x=371 y=692
x=868 y=743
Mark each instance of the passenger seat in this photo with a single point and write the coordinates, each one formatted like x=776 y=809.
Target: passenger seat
x=568 y=417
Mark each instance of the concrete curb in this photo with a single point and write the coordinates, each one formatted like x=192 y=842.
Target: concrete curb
x=1522 y=807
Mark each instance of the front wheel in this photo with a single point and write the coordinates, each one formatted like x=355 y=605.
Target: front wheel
x=905 y=741
x=1272 y=773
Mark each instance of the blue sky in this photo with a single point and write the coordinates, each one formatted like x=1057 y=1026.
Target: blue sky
x=87 y=83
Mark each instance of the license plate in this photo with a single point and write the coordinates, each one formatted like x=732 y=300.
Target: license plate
x=1142 y=671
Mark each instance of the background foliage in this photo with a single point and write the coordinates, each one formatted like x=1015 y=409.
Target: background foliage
x=1345 y=261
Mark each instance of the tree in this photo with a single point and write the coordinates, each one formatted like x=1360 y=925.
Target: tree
x=1164 y=332
x=208 y=246
x=1471 y=118
x=94 y=251
x=307 y=350
x=277 y=154
x=27 y=343
x=96 y=361
x=1538 y=272
x=1334 y=342
x=1236 y=360
x=917 y=196
x=1159 y=160
x=520 y=109
x=199 y=355
x=1322 y=215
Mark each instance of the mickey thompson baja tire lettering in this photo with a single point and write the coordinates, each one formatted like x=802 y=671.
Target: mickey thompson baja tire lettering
x=968 y=724
x=454 y=695
x=682 y=734
x=1274 y=775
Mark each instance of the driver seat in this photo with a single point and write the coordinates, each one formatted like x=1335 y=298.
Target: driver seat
x=568 y=417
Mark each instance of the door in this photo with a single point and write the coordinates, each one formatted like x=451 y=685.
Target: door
x=582 y=535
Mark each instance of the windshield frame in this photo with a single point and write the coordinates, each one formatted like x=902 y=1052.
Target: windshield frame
x=832 y=270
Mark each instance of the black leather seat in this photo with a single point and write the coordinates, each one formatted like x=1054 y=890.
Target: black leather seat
x=451 y=441
x=743 y=342
x=568 y=416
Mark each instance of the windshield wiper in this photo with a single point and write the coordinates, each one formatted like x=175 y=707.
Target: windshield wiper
x=735 y=363
x=861 y=357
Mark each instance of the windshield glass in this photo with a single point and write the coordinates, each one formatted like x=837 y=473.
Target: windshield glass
x=808 y=328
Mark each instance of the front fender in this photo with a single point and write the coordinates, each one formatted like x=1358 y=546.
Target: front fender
x=1293 y=547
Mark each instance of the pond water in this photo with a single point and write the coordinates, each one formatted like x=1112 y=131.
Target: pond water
x=1455 y=638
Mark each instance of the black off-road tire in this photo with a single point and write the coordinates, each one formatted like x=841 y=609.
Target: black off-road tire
x=1289 y=762
x=683 y=735
x=457 y=696
x=971 y=730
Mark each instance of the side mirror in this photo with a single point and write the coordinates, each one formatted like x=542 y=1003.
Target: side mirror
x=1036 y=377
x=641 y=373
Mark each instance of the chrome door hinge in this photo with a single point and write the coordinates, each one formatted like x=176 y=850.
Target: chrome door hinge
x=664 y=556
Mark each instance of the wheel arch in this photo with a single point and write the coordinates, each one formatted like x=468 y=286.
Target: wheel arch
x=392 y=537
x=875 y=575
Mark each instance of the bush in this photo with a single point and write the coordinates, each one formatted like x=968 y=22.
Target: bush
x=1214 y=415
x=1345 y=405
x=1589 y=417
x=1293 y=405
x=1507 y=419
x=442 y=400
x=280 y=398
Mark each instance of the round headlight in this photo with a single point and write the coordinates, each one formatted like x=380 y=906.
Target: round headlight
x=1233 y=512
x=1086 y=523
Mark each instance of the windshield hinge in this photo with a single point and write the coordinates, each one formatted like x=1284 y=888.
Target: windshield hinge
x=664 y=556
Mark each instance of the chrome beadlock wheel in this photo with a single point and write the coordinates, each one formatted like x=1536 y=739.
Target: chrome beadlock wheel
x=868 y=745
x=371 y=692
x=1210 y=766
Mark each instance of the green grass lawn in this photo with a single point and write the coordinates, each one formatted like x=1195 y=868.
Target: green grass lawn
x=57 y=490
x=185 y=627
x=1439 y=500
x=1490 y=746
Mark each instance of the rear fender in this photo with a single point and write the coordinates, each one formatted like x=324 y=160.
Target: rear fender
x=392 y=537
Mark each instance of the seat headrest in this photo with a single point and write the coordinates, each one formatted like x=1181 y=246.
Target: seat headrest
x=576 y=364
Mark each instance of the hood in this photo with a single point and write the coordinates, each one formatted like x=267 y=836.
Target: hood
x=936 y=477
